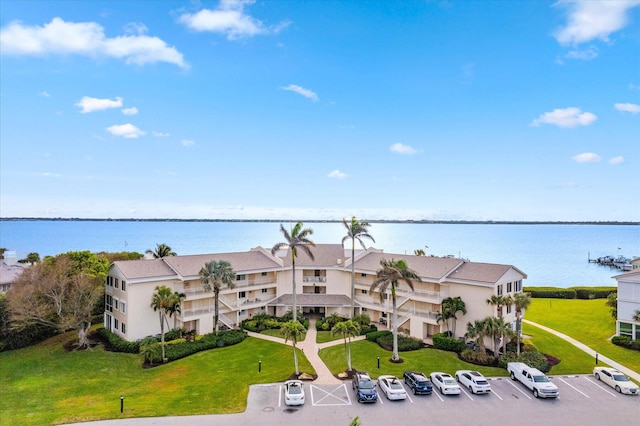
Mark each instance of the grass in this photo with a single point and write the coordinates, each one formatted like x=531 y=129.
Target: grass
x=364 y=357
x=325 y=336
x=43 y=384
x=275 y=332
x=588 y=321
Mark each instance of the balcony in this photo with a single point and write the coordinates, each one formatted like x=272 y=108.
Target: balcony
x=314 y=279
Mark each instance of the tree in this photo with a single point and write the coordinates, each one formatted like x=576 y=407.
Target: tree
x=149 y=350
x=162 y=250
x=161 y=301
x=499 y=302
x=475 y=332
x=292 y=330
x=176 y=307
x=521 y=302
x=419 y=252
x=612 y=303
x=450 y=308
x=297 y=239
x=390 y=275
x=498 y=330
x=348 y=330
x=214 y=275
x=31 y=258
x=58 y=292
x=356 y=231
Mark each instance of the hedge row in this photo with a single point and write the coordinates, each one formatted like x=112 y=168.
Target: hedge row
x=208 y=341
x=571 y=292
x=117 y=344
x=451 y=344
x=384 y=338
x=626 y=342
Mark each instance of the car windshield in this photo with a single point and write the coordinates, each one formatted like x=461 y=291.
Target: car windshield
x=482 y=382
x=295 y=389
x=423 y=383
x=540 y=379
x=449 y=382
x=366 y=384
x=620 y=378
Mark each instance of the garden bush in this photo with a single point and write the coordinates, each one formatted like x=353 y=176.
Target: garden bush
x=364 y=330
x=117 y=344
x=374 y=335
x=208 y=341
x=441 y=341
x=551 y=292
x=533 y=359
x=594 y=292
x=626 y=342
x=174 y=334
x=477 y=357
x=405 y=343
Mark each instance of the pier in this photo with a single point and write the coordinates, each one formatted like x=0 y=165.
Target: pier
x=619 y=262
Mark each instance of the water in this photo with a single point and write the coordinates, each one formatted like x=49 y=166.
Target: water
x=551 y=255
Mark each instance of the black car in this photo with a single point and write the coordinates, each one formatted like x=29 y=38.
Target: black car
x=364 y=387
x=417 y=382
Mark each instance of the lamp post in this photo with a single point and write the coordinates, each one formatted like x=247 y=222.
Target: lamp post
x=259 y=366
x=378 y=362
x=121 y=403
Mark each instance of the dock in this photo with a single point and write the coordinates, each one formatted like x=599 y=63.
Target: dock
x=619 y=262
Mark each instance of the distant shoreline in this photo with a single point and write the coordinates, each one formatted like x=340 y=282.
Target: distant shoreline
x=452 y=222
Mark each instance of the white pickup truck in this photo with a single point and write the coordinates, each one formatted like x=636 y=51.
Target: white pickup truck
x=534 y=379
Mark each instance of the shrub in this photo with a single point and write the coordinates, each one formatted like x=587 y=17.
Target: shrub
x=535 y=360
x=551 y=292
x=363 y=320
x=405 y=343
x=374 y=335
x=626 y=342
x=594 y=292
x=116 y=344
x=441 y=341
x=173 y=334
x=476 y=357
x=368 y=329
x=208 y=341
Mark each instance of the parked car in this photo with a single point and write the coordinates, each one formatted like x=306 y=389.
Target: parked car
x=392 y=387
x=364 y=387
x=445 y=383
x=534 y=379
x=293 y=392
x=617 y=380
x=473 y=380
x=417 y=382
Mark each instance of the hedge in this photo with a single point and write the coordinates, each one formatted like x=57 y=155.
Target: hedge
x=626 y=342
x=117 y=344
x=571 y=292
x=208 y=341
x=533 y=359
x=441 y=341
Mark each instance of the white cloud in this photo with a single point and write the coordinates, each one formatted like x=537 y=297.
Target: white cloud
x=44 y=94
x=627 y=107
x=302 y=91
x=127 y=131
x=187 y=142
x=594 y=19
x=585 y=54
x=85 y=38
x=337 y=174
x=89 y=104
x=160 y=134
x=586 y=157
x=402 y=149
x=130 y=111
x=616 y=161
x=229 y=18
x=565 y=117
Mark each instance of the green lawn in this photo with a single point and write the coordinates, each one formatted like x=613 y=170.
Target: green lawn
x=364 y=357
x=325 y=336
x=44 y=384
x=588 y=321
x=275 y=332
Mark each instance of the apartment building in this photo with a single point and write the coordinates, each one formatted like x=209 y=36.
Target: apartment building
x=628 y=304
x=323 y=286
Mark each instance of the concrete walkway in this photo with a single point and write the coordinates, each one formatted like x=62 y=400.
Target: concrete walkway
x=311 y=349
x=629 y=372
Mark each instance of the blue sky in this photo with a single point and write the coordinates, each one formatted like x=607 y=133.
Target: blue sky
x=460 y=110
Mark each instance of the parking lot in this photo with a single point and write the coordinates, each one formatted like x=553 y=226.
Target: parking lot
x=582 y=399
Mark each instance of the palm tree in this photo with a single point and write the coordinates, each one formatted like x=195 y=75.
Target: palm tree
x=348 y=330
x=161 y=301
x=499 y=302
x=443 y=317
x=297 y=239
x=450 y=308
x=391 y=273
x=475 y=332
x=521 y=302
x=149 y=350
x=162 y=250
x=176 y=308
x=292 y=330
x=214 y=275
x=355 y=231
x=498 y=329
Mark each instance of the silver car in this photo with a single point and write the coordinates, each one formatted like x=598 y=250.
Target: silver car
x=473 y=380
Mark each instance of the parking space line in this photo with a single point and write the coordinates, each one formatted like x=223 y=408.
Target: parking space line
x=409 y=396
x=465 y=392
x=573 y=387
x=518 y=389
x=280 y=396
x=326 y=395
x=494 y=393
x=438 y=395
x=601 y=387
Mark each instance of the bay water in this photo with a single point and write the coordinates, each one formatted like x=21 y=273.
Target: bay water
x=550 y=254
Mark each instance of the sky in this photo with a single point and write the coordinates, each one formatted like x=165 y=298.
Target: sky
x=320 y=110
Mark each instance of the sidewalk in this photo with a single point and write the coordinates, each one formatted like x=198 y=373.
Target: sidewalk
x=311 y=349
x=629 y=372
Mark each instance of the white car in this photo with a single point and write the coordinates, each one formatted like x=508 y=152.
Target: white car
x=445 y=383
x=616 y=379
x=392 y=387
x=473 y=380
x=293 y=392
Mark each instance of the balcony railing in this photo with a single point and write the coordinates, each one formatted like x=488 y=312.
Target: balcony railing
x=314 y=279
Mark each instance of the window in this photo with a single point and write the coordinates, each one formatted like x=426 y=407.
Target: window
x=243 y=312
x=115 y=304
x=509 y=287
x=265 y=290
x=264 y=274
x=364 y=309
x=363 y=275
x=316 y=272
x=124 y=328
x=499 y=289
x=242 y=294
x=363 y=291
x=518 y=286
x=241 y=277
x=124 y=285
x=626 y=329
x=116 y=282
x=115 y=324
x=508 y=309
x=123 y=307
x=109 y=303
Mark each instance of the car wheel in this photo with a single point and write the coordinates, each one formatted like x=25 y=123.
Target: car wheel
x=441 y=392
x=513 y=376
x=414 y=391
x=471 y=389
x=535 y=393
x=618 y=389
x=597 y=376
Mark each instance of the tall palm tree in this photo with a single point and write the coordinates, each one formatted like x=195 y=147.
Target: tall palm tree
x=161 y=301
x=475 y=332
x=498 y=330
x=292 y=330
x=450 y=308
x=355 y=231
x=499 y=302
x=390 y=275
x=298 y=238
x=521 y=302
x=348 y=330
x=214 y=275
x=162 y=250
x=176 y=308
